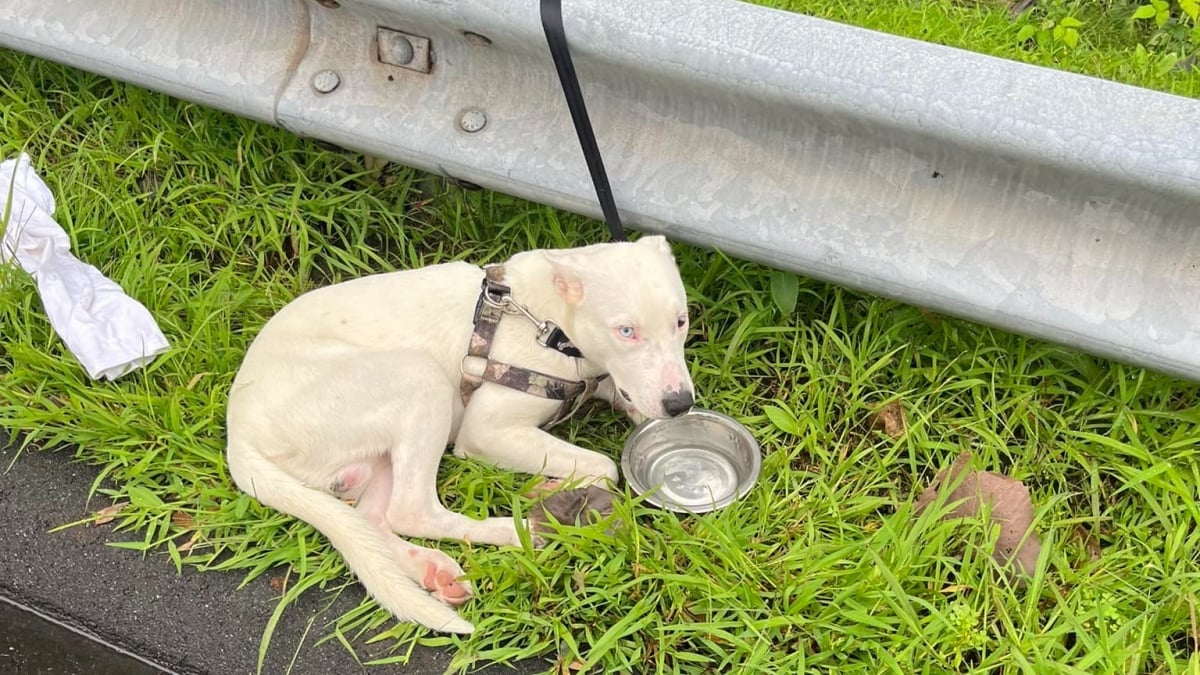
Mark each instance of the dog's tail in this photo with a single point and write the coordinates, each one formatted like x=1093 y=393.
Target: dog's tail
x=364 y=547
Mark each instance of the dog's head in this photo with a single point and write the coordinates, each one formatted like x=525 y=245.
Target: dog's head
x=627 y=312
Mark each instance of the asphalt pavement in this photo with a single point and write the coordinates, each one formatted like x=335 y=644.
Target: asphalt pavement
x=187 y=623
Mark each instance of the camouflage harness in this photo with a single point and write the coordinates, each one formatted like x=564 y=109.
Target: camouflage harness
x=495 y=300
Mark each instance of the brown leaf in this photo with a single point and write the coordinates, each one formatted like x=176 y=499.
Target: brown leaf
x=277 y=584
x=109 y=513
x=183 y=520
x=579 y=506
x=930 y=493
x=890 y=419
x=191 y=542
x=575 y=666
x=1009 y=503
x=1019 y=7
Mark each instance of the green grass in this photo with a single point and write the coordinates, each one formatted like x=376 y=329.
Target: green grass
x=1109 y=43
x=215 y=222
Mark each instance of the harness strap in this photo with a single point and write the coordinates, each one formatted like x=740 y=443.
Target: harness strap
x=489 y=309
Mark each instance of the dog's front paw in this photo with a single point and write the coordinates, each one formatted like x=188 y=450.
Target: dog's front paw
x=442 y=578
x=571 y=507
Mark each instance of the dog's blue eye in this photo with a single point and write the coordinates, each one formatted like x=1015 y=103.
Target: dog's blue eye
x=625 y=331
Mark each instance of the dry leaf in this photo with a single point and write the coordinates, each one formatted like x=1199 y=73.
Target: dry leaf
x=583 y=505
x=191 y=542
x=1009 y=503
x=109 y=513
x=277 y=584
x=1019 y=7
x=195 y=380
x=890 y=419
x=373 y=163
x=183 y=520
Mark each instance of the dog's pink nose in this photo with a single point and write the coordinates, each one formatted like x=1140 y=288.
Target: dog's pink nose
x=676 y=403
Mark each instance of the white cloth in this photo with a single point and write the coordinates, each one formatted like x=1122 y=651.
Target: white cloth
x=109 y=332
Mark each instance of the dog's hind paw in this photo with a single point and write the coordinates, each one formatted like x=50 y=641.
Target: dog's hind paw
x=442 y=578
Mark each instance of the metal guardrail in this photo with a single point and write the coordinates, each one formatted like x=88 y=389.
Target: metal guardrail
x=1047 y=203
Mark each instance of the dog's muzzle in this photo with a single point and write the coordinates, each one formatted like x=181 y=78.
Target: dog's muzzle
x=676 y=403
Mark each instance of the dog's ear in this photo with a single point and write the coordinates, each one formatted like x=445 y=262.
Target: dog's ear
x=656 y=241
x=567 y=280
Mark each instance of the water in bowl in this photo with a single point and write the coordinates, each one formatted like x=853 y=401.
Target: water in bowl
x=692 y=477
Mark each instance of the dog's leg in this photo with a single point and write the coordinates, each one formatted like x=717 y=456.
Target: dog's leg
x=370 y=427
x=436 y=571
x=416 y=511
x=514 y=442
x=382 y=562
x=531 y=450
x=412 y=506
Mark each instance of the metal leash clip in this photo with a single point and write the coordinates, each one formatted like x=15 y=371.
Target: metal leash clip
x=507 y=305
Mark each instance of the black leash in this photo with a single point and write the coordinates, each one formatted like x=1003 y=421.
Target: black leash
x=556 y=38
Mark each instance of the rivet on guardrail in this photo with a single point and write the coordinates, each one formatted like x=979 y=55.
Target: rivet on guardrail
x=326 y=81
x=472 y=120
x=394 y=48
x=397 y=48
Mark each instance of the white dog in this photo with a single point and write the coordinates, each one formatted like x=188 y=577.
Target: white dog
x=352 y=393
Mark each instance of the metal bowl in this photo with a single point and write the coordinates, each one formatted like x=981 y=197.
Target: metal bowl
x=695 y=463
